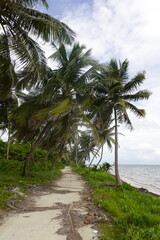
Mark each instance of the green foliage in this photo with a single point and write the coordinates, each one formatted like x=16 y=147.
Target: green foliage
x=94 y=168
x=135 y=216
x=17 y=151
x=105 y=167
x=9 y=165
x=10 y=170
x=19 y=22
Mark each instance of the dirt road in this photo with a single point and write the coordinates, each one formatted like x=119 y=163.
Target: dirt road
x=63 y=212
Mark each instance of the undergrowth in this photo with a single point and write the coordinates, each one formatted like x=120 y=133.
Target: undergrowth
x=11 y=171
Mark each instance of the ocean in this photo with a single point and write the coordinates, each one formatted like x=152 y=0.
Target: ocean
x=142 y=176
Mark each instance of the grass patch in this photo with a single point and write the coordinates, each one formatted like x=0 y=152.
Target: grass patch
x=136 y=216
x=10 y=178
x=40 y=170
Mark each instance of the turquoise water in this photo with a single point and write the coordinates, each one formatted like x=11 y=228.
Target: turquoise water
x=145 y=176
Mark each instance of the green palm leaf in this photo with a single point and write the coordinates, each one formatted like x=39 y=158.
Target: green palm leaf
x=134 y=83
x=8 y=77
x=140 y=95
x=138 y=112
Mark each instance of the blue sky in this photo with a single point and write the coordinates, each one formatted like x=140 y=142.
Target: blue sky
x=123 y=29
x=58 y=7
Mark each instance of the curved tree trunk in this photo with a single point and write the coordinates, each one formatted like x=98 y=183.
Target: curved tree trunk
x=8 y=146
x=26 y=162
x=89 y=157
x=100 y=157
x=9 y=142
x=118 y=180
x=93 y=158
x=34 y=146
x=76 y=148
x=45 y=159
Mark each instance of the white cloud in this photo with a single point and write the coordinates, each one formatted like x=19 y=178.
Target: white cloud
x=127 y=29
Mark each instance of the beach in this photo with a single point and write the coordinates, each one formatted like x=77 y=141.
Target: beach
x=141 y=176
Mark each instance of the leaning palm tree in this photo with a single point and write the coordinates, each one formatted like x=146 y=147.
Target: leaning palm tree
x=105 y=136
x=58 y=108
x=86 y=146
x=20 y=24
x=115 y=92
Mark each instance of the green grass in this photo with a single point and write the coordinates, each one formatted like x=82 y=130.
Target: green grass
x=10 y=177
x=11 y=170
x=135 y=216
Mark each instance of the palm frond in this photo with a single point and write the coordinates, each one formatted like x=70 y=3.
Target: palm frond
x=31 y=3
x=123 y=71
x=134 y=83
x=122 y=113
x=138 y=112
x=59 y=110
x=44 y=26
x=140 y=95
x=7 y=72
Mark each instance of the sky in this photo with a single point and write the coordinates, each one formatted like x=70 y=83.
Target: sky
x=123 y=29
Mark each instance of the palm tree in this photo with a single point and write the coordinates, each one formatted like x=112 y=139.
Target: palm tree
x=103 y=128
x=6 y=124
x=86 y=146
x=58 y=108
x=105 y=136
x=103 y=131
x=115 y=92
x=20 y=24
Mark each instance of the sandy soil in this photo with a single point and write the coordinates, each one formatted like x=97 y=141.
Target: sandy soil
x=63 y=212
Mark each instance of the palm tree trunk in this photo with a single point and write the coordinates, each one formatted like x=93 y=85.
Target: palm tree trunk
x=118 y=180
x=34 y=146
x=89 y=157
x=9 y=142
x=93 y=158
x=24 y=170
x=100 y=156
x=45 y=159
x=32 y=156
x=76 y=149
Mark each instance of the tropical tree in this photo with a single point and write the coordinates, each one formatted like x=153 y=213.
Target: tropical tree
x=104 y=132
x=115 y=93
x=20 y=24
x=105 y=136
x=86 y=146
x=58 y=108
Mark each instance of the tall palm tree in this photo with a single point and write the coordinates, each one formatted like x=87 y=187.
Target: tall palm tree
x=20 y=24
x=58 y=108
x=86 y=146
x=105 y=136
x=116 y=92
x=103 y=130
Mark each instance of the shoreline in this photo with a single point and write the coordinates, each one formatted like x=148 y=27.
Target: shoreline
x=139 y=187
x=142 y=189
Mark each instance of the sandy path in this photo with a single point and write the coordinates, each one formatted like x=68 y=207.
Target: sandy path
x=63 y=213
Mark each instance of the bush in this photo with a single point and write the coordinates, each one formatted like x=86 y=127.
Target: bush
x=105 y=167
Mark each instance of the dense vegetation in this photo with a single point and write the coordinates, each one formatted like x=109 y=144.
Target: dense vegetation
x=41 y=170
x=134 y=215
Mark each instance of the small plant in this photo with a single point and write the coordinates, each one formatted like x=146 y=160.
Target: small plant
x=105 y=167
x=94 y=168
